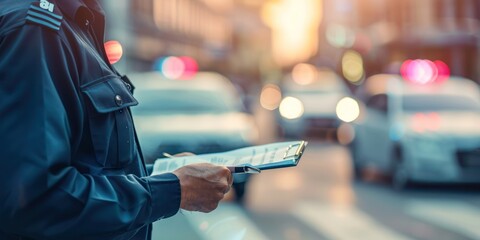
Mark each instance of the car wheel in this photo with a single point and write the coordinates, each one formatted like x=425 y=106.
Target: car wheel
x=399 y=175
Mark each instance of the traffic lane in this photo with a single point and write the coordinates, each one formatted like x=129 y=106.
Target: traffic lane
x=284 y=225
x=274 y=225
x=317 y=200
x=415 y=212
x=319 y=193
x=274 y=195
x=323 y=173
x=322 y=183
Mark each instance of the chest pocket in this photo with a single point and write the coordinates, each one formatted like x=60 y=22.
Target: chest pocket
x=111 y=126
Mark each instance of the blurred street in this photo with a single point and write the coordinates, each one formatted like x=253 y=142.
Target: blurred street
x=114 y=114
x=318 y=199
x=394 y=83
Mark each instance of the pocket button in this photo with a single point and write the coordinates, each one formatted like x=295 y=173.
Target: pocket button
x=118 y=100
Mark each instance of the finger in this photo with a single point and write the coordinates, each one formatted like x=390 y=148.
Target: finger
x=229 y=176
x=227 y=190
x=230 y=179
x=227 y=182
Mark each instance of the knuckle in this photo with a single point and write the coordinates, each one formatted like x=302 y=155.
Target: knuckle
x=214 y=206
x=223 y=187
x=225 y=171
x=210 y=207
x=226 y=187
x=207 y=210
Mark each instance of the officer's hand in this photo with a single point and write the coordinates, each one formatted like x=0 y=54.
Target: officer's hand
x=203 y=185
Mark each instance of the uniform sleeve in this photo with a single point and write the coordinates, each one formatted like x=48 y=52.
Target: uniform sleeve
x=43 y=195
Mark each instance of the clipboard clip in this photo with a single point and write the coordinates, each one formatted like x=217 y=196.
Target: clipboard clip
x=297 y=153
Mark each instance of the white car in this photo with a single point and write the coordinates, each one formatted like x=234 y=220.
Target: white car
x=311 y=106
x=201 y=115
x=418 y=133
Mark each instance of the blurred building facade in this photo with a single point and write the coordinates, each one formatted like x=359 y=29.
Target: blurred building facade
x=388 y=32
x=235 y=37
x=226 y=36
x=149 y=29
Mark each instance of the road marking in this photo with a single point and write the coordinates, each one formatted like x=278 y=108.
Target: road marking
x=343 y=222
x=454 y=216
x=227 y=222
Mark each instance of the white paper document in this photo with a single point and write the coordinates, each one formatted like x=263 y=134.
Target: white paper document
x=268 y=156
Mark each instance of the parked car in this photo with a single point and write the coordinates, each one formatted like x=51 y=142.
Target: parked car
x=418 y=132
x=310 y=105
x=201 y=115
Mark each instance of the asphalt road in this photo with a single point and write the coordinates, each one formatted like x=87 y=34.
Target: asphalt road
x=318 y=200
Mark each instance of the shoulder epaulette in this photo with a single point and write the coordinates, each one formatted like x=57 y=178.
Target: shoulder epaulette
x=41 y=13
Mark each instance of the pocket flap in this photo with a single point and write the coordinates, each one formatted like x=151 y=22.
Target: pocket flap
x=109 y=94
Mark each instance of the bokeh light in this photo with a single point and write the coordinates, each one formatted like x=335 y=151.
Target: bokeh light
x=291 y=108
x=304 y=73
x=114 y=51
x=340 y=36
x=443 y=71
x=348 y=109
x=424 y=122
x=173 y=67
x=345 y=133
x=191 y=67
x=352 y=66
x=270 y=97
x=421 y=71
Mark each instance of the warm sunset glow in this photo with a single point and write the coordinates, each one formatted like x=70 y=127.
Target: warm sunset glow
x=220 y=5
x=294 y=25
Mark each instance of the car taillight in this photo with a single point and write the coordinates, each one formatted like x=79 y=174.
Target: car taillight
x=421 y=71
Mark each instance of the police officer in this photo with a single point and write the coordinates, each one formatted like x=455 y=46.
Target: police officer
x=70 y=165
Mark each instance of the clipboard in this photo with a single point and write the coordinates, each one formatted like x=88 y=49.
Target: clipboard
x=263 y=157
x=291 y=156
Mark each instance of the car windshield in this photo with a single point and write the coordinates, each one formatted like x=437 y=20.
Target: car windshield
x=181 y=101
x=425 y=103
x=314 y=91
x=316 y=88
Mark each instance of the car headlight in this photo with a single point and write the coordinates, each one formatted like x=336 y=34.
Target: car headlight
x=291 y=108
x=348 y=109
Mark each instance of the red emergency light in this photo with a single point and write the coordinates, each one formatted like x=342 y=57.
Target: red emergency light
x=422 y=71
x=180 y=68
x=114 y=51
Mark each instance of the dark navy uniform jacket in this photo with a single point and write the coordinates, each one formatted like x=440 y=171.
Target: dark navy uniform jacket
x=70 y=167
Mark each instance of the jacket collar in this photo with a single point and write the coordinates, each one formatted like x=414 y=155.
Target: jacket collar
x=80 y=10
